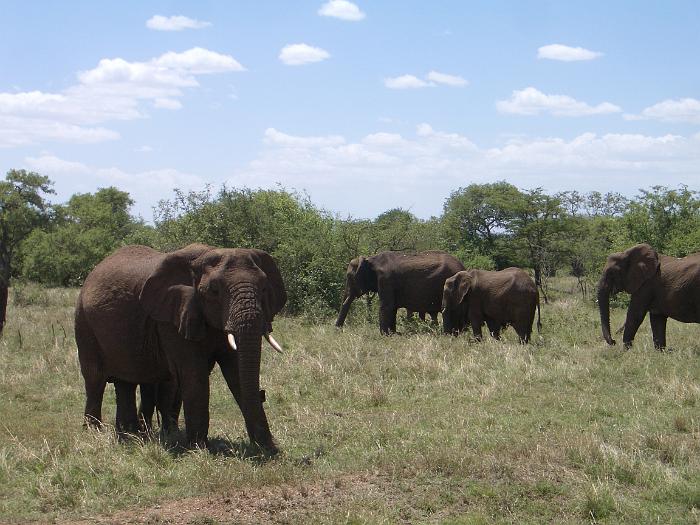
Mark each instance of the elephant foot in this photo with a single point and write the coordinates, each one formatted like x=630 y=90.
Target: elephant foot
x=269 y=449
x=93 y=423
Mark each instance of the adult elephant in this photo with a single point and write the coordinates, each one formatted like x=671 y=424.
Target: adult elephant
x=661 y=285
x=145 y=317
x=499 y=299
x=402 y=280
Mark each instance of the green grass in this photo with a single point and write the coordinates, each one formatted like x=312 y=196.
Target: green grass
x=418 y=428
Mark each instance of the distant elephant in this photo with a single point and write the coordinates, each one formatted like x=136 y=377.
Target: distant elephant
x=402 y=280
x=661 y=285
x=499 y=299
x=145 y=317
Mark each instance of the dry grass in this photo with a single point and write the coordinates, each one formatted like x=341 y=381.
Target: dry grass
x=419 y=428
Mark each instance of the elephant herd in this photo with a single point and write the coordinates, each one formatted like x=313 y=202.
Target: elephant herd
x=435 y=281
x=162 y=321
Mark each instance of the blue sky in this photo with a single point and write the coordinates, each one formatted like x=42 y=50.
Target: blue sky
x=366 y=106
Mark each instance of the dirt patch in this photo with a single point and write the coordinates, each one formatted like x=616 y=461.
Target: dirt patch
x=279 y=504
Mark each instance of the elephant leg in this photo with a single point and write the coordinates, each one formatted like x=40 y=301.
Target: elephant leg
x=494 y=328
x=409 y=314
x=169 y=403
x=476 y=321
x=91 y=370
x=434 y=317
x=195 y=400
x=524 y=331
x=94 y=392
x=147 y=405
x=127 y=420
x=387 y=316
x=635 y=316
x=421 y=316
x=658 y=330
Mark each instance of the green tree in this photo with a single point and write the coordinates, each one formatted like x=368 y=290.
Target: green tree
x=477 y=217
x=85 y=230
x=395 y=230
x=667 y=219
x=541 y=232
x=22 y=209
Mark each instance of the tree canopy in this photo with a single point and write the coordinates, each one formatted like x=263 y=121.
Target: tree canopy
x=490 y=226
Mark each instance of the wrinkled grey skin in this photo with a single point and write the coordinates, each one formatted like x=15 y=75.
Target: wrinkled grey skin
x=499 y=299
x=402 y=280
x=661 y=285
x=145 y=317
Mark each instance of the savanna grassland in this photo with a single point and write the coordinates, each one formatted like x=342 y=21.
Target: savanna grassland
x=418 y=428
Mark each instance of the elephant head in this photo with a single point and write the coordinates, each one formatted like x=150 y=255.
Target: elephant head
x=624 y=271
x=206 y=292
x=455 y=301
x=360 y=278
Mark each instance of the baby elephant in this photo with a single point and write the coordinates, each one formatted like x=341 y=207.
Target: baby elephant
x=507 y=297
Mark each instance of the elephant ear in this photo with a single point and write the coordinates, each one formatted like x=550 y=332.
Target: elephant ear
x=275 y=293
x=464 y=286
x=642 y=264
x=169 y=294
x=366 y=276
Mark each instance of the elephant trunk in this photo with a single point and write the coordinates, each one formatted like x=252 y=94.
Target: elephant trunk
x=246 y=321
x=348 y=298
x=249 y=343
x=448 y=324
x=604 y=308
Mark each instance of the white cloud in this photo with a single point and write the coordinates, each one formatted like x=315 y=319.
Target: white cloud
x=418 y=171
x=167 y=103
x=272 y=136
x=681 y=110
x=299 y=54
x=405 y=82
x=566 y=53
x=431 y=79
x=174 y=23
x=448 y=80
x=113 y=90
x=530 y=101
x=22 y=131
x=198 y=61
x=341 y=9
x=143 y=149
x=50 y=164
x=145 y=187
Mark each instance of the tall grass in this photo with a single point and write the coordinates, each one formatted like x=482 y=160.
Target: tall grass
x=414 y=428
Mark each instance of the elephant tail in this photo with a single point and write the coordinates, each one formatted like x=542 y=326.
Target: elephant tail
x=539 y=322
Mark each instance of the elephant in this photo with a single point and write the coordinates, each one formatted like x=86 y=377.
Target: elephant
x=146 y=317
x=402 y=280
x=661 y=285
x=498 y=298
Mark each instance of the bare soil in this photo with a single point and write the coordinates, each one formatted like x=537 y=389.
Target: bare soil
x=281 y=504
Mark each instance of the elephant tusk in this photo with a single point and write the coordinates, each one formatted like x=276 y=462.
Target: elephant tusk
x=232 y=342
x=274 y=344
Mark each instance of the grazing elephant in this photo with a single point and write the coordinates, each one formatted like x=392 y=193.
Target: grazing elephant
x=506 y=297
x=661 y=285
x=145 y=317
x=402 y=280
